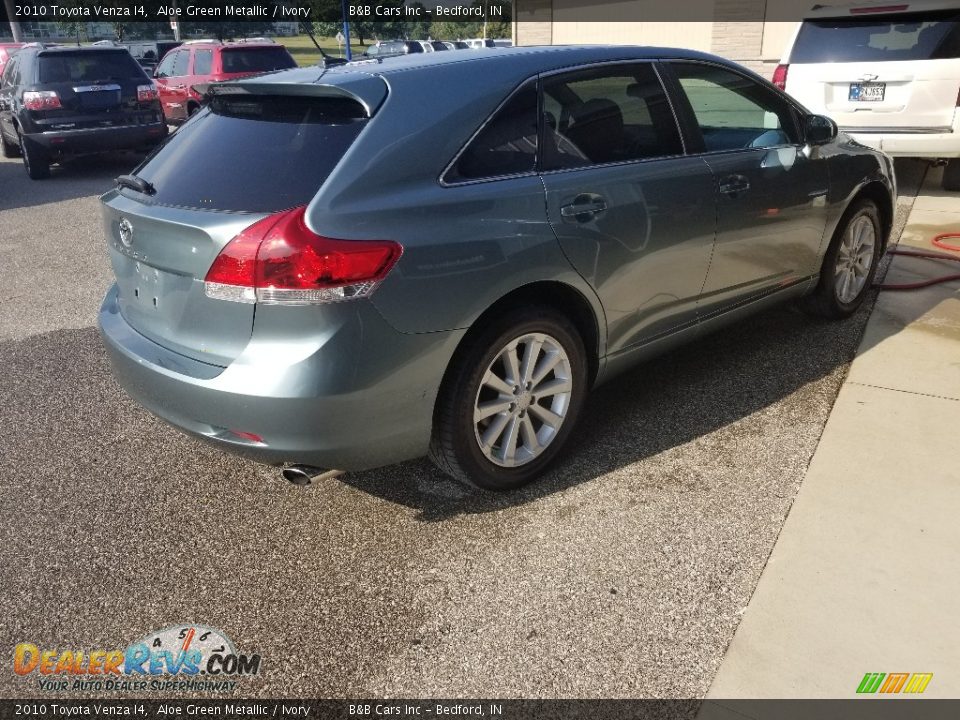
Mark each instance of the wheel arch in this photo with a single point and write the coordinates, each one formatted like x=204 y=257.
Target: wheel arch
x=880 y=195
x=553 y=293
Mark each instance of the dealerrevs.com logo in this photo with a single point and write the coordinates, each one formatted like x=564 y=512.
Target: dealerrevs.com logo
x=181 y=657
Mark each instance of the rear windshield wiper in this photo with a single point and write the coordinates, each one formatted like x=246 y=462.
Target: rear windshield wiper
x=136 y=183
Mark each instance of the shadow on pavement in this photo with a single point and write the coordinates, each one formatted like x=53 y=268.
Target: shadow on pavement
x=76 y=178
x=667 y=402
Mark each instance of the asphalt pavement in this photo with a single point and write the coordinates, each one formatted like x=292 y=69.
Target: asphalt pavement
x=623 y=573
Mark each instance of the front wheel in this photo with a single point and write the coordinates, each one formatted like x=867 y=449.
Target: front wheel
x=510 y=400
x=849 y=265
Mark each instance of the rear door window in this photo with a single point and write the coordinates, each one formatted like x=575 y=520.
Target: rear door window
x=88 y=66
x=289 y=146
x=907 y=36
x=256 y=60
x=604 y=115
x=202 y=62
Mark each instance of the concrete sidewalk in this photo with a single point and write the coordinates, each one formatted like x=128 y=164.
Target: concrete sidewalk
x=865 y=575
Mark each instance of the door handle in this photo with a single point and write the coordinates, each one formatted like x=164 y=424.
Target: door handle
x=584 y=207
x=733 y=184
x=177 y=87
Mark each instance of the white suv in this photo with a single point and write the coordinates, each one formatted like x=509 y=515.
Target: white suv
x=888 y=74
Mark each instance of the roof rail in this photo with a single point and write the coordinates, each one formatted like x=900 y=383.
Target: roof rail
x=204 y=41
x=253 y=39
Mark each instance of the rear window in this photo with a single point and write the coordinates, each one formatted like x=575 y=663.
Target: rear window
x=88 y=66
x=254 y=153
x=256 y=60
x=909 y=36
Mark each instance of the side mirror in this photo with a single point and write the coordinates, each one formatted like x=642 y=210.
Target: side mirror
x=819 y=130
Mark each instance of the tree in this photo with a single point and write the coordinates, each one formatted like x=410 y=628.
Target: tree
x=70 y=29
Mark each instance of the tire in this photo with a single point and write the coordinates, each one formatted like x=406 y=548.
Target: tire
x=8 y=149
x=192 y=110
x=35 y=160
x=539 y=426
x=845 y=280
x=951 y=175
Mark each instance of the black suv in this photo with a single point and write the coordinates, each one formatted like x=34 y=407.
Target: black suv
x=60 y=101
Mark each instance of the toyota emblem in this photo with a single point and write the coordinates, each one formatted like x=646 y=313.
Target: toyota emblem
x=126 y=232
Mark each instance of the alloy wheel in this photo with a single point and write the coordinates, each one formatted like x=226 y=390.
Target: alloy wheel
x=523 y=400
x=854 y=259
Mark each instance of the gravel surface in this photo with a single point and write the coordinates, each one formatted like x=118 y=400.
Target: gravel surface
x=623 y=574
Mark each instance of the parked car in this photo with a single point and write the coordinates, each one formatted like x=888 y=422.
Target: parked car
x=456 y=45
x=434 y=46
x=888 y=74
x=365 y=283
x=198 y=62
x=393 y=48
x=478 y=43
x=6 y=50
x=61 y=101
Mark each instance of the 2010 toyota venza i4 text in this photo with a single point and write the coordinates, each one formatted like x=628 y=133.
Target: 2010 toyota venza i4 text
x=316 y=270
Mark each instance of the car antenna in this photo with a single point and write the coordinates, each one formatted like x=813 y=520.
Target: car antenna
x=325 y=60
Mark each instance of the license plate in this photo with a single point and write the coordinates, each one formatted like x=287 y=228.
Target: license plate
x=94 y=97
x=867 y=92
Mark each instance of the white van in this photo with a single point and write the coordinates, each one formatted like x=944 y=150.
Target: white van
x=888 y=74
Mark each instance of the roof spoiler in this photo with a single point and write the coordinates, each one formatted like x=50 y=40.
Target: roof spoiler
x=370 y=91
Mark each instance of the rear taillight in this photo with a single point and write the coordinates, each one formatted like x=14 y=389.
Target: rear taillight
x=146 y=93
x=780 y=76
x=279 y=260
x=41 y=100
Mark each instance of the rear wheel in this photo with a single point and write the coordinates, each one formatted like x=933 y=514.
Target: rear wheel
x=35 y=160
x=849 y=265
x=951 y=175
x=510 y=401
x=9 y=149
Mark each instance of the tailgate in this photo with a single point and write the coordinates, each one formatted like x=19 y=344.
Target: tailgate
x=160 y=260
x=919 y=94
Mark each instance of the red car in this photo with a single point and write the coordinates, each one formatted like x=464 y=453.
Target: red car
x=203 y=61
x=6 y=50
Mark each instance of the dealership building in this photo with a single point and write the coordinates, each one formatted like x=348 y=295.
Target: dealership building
x=754 y=33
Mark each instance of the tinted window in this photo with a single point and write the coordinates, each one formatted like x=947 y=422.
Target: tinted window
x=289 y=146
x=88 y=66
x=930 y=36
x=256 y=60
x=733 y=111
x=181 y=61
x=507 y=144
x=8 y=73
x=165 y=68
x=202 y=61
x=610 y=114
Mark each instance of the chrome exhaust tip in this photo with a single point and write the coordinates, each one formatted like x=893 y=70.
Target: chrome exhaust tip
x=305 y=474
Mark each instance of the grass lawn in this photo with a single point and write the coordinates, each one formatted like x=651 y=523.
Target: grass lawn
x=306 y=53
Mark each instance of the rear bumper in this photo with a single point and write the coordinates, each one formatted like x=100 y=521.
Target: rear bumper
x=92 y=140
x=909 y=142
x=357 y=396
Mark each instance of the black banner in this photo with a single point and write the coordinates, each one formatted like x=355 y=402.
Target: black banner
x=261 y=11
x=873 y=708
